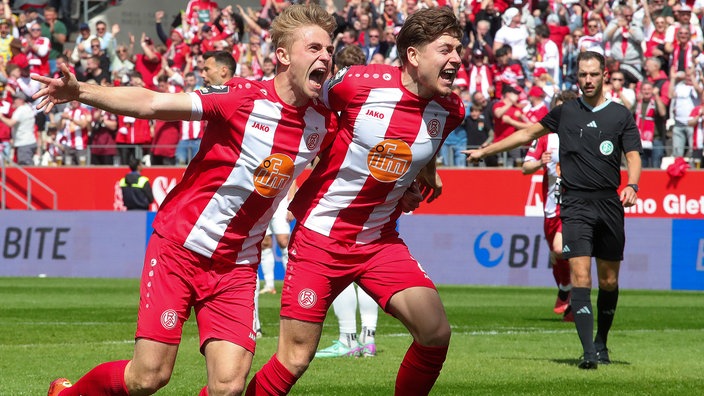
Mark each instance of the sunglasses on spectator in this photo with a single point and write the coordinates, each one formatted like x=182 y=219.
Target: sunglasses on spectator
x=36 y=29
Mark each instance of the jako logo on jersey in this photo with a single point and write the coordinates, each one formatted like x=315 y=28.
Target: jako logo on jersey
x=489 y=255
x=260 y=126
x=169 y=319
x=375 y=114
x=312 y=141
x=273 y=175
x=434 y=127
x=389 y=159
x=307 y=298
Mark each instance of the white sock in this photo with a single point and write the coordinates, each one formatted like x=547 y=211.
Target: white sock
x=284 y=257
x=267 y=264
x=369 y=312
x=256 y=325
x=345 y=307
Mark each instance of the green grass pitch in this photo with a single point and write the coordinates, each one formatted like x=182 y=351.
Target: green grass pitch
x=505 y=341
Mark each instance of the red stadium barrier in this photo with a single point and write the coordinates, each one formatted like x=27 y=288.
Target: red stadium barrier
x=465 y=192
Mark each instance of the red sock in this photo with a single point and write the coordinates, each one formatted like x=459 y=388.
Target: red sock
x=561 y=272
x=107 y=379
x=272 y=379
x=419 y=369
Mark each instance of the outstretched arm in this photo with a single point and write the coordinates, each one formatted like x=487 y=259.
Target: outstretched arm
x=130 y=101
x=516 y=139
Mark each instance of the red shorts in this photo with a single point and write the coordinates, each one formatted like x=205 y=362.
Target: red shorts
x=319 y=268
x=175 y=279
x=551 y=226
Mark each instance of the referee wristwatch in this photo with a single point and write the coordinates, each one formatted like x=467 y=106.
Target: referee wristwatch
x=633 y=186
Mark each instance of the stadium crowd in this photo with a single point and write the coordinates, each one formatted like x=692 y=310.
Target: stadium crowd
x=517 y=55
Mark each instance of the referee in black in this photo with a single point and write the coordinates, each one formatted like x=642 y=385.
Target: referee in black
x=594 y=133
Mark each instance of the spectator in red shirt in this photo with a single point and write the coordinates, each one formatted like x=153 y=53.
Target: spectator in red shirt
x=148 y=64
x=508 y=118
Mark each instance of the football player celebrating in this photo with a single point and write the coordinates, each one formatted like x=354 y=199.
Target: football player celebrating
x=207 y=234
x=393 y=122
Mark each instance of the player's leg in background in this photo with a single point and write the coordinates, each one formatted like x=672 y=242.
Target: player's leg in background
x=267 y=264
x=345 y=307
x=257 y=325
x=369 y=314
x=561 y=273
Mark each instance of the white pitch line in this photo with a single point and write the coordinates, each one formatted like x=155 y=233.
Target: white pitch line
x=500 y=332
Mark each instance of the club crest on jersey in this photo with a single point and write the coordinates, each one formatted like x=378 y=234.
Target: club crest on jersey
x=389 y=159
x=307 y=298
x=214 y=89
x=273 y=175
x=606 y=147
x=434 y=127
x=312 y=141
x=169 y=319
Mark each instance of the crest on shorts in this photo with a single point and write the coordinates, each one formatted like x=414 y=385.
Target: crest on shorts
x=307 y=298
x=606 y=147
x=169 y=319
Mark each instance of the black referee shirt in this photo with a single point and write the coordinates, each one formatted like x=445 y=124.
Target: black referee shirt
x=592 y=140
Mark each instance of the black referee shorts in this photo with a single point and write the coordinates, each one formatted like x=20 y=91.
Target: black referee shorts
x=592 y=227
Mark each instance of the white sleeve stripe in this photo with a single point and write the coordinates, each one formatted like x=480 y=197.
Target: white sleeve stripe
x=196 y=107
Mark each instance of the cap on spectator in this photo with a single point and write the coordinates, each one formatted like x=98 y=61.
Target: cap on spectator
x=536 y=91
x=19 y=95
x=4 y=21
x=508 y=88
x=206 y=28
x=553 y=19
x=539 y=71
x=83 y=26
x=478 y=52
x=509 y=14
x=685 y=8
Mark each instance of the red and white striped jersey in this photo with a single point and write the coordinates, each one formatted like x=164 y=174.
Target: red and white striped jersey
x=386 y=136
x=253 y=148
x=192 y=129
x=76 y=136
x=39 y=59
x=547 y=143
